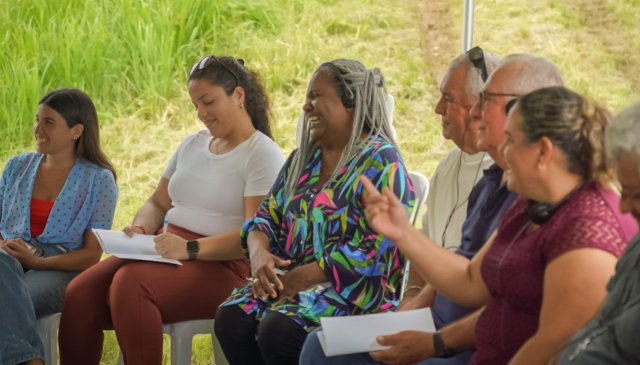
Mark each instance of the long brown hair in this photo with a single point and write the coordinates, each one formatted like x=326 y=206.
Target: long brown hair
x=76 y=107
x=229 y=73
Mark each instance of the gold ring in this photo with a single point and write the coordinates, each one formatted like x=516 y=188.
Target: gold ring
x=252 y=281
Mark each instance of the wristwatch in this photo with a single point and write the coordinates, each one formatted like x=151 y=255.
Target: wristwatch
x=441 y=350
x=193 y=247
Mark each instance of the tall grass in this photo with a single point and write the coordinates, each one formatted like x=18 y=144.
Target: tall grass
x=132 y=57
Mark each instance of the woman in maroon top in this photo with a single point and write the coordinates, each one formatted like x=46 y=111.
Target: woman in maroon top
x=543 y=275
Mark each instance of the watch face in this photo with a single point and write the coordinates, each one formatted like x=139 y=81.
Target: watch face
x=193 y=246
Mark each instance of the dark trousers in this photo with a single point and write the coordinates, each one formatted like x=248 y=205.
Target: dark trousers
x=277 y=339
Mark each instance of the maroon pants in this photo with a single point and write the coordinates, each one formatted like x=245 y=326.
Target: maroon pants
x=136 y=298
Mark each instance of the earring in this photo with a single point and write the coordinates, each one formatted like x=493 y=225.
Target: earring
x=241 y=105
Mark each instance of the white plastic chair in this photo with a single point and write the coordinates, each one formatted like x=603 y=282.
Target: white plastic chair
x=48 y=332
x=182 y=333
x=421 y=185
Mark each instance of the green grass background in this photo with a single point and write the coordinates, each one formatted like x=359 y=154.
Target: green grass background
x=132 y=58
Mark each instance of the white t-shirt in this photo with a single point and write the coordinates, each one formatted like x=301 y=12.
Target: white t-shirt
x=207 y=189
x=449 y=191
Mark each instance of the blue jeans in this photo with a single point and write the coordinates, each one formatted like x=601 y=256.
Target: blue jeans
x=312 y=354
x=26 y=296
x=46 y=287
x=19 y=339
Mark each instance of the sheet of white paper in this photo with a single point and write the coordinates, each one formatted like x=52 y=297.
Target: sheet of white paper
x=354 y=334
x=137 y=247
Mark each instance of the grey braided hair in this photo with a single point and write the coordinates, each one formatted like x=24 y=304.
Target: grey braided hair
x=360 y=89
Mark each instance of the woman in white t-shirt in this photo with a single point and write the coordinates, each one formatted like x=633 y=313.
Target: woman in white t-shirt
x=215 y=180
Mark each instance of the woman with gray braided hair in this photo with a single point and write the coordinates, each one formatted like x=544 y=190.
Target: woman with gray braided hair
x=312 y=253
x=544 y=274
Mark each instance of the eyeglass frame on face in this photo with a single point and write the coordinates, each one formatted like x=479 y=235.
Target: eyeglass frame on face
x=476 y=56
x=485 y=96
x=206 y=61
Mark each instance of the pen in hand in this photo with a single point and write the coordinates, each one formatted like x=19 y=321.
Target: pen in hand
x=165 y=225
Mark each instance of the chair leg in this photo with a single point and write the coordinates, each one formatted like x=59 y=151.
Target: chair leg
x=218 y=354
x=48 y=332
x=180 y=348
x=181 y=334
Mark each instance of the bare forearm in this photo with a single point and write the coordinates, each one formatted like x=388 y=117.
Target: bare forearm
x=222 y=247
x=302 y=277
x=150 y=216
x=414 y=299
x=460 y=335
x=256 y=242
x=536 y=350
x=311 y=274
x=72 y=261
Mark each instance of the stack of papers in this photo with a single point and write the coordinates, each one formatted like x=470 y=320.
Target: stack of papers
x=355 y=334
x=136 y=247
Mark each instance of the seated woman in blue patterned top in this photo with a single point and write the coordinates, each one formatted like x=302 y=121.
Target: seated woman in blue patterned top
x=311 y=225
x=49 y=201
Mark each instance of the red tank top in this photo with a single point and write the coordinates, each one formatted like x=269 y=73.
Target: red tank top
x=40 y=210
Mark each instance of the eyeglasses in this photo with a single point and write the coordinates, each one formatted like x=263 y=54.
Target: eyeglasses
x=476 y=56
x=485 y=96
x=207 y=60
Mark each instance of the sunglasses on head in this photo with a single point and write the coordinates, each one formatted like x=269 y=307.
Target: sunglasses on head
x=208 y=60
x=476 y=56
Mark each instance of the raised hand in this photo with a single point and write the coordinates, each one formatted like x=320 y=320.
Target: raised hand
x=170 y=246
x=384 y=211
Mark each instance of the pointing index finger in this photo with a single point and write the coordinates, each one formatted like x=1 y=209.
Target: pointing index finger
x=368 y=186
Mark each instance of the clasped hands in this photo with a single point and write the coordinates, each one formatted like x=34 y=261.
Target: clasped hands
x=20 y=250
x=265 y=280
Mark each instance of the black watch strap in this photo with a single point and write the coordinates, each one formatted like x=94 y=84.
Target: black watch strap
x=193 y=247
x=440 y=349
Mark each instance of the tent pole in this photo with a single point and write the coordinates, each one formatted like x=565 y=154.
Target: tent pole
x=467 y=25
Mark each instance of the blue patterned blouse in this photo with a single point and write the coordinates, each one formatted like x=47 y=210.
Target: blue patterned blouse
x=87 y=200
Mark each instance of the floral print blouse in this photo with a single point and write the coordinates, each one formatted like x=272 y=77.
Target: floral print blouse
x=364 y=270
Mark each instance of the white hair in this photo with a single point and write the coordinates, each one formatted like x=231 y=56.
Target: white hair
x=623 y=134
